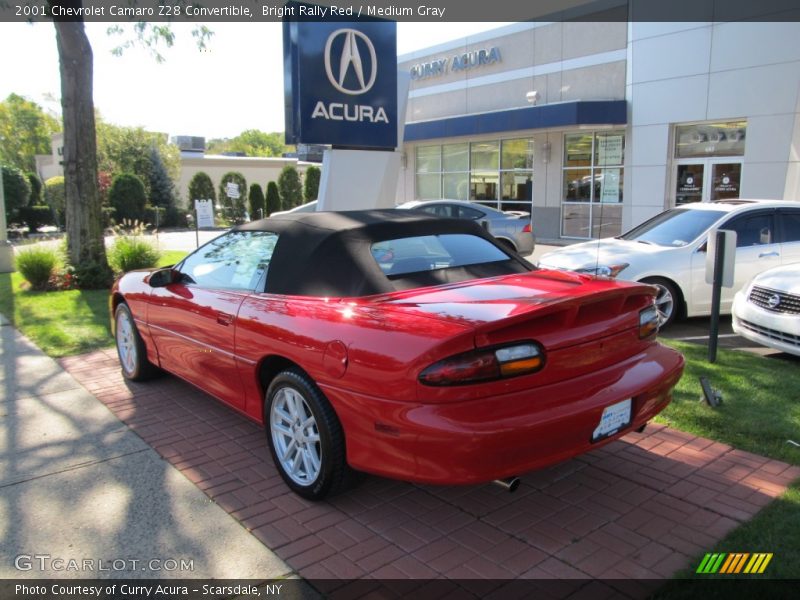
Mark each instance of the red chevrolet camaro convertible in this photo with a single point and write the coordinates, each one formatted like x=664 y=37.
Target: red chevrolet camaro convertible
x=398 y=344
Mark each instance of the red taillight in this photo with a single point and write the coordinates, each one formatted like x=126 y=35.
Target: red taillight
x=527 y=228
x=485 y=365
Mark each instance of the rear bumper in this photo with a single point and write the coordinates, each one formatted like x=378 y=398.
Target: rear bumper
x=508 y=434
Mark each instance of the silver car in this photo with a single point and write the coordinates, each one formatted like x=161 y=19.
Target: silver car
x=512 y=229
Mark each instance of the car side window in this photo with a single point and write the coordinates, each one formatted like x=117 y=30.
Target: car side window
x=237 y=260
x=791 y=225
x=465 y=212
x=440 y=210
x=752 y=230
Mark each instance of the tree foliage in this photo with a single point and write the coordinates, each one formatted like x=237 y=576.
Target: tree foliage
x=234 y=207
x=162 y=190
x=85 y=244
x=17 y=191
x=256 y=198
x=311 y=183
x=25 y=131
x=127 y=197
x=250 y=143
x=201 y=188
x=273 y=198
x=130 y=150
x=290 y=187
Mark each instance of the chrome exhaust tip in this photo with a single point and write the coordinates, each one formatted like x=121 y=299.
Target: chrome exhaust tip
x=509 y=483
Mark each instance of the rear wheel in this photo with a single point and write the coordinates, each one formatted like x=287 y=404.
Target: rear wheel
x=305 y=437
x=667 y=300
x=130 y=347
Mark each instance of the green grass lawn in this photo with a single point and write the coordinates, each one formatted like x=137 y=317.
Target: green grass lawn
x=760 y=411
x=61 y=323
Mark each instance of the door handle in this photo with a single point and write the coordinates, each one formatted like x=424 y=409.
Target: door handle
x=224 y=318
x=766 y=254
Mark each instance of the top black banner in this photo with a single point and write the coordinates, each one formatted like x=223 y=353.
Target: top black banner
x=207 y=11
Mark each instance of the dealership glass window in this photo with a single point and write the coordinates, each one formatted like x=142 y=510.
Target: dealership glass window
x=710 y=139
x=516 y=174
x=592 y=175
x=455 y=171
x=489 y=172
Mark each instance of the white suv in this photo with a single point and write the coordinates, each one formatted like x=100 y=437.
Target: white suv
x=669 y=251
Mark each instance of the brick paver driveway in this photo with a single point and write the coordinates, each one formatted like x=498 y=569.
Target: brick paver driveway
x=640 y=508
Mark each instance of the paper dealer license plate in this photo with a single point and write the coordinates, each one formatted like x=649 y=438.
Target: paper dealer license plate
x=614 y=418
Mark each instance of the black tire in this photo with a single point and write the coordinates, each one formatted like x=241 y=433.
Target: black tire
x=131 y=350
x=311 y=435
x=668 y=300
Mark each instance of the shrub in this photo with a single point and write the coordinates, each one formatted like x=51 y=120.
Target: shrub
x=256 y=198
x=36 y=189
x=273 y=198
x=55 y=197
x=132 y=252
x=162 y=190
x=17 y=192
x=36 y=216
x=90 y=275
x=311 y=184
x=127 y=197
x=37 y=265
x=235 y=206
x=201 y=188
x=290 y=187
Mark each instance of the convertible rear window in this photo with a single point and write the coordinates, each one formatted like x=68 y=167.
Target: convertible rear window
x=426 y=253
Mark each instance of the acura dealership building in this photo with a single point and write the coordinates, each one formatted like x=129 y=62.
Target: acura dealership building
x=594 y=127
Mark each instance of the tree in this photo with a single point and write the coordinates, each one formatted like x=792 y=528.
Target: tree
x=250 y=143
x=290 y=188
x=311 y=184
x=162 y=190
x=201 y=188
x=235 y=206
x=273 y=198
x=256 y=197
x=17 y=190
x=127 y=197
x=25 y=131
x=85 y=245
x=130 y=150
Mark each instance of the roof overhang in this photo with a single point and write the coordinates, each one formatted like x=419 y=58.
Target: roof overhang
x=562 y=114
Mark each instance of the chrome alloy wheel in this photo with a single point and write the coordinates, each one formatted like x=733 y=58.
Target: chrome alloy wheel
x=126 y=342
x=665 y=303
x=295 y=436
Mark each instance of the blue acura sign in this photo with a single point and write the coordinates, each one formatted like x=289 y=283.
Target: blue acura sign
x=340 y=83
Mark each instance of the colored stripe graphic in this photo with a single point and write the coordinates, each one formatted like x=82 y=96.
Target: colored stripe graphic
x=734 y=563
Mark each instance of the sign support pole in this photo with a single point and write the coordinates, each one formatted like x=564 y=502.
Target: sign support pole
x=716 y=293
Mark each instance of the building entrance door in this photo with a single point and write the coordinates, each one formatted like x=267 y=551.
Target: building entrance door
x=707 y=180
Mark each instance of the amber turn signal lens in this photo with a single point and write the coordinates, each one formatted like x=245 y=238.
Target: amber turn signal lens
x=648 y=322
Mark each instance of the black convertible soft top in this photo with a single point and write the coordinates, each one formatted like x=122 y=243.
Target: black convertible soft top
x=329 y=253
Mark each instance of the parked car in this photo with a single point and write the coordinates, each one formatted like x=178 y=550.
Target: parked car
x=669 y=251
x=767 y=311
x=513 y=228
x=399 y=344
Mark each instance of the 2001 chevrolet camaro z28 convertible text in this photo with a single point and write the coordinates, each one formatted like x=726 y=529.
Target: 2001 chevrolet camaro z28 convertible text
x=398 y=344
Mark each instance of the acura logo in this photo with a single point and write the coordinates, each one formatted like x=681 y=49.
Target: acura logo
x=773 y=301
x=350 y=61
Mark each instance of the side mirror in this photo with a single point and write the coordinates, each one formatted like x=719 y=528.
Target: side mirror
x=163 y=277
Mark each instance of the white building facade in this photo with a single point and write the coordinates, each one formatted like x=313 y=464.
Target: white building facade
x=595 y=127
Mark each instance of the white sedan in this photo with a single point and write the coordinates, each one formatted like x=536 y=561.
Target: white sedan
x=669 y=251
x=768 y=310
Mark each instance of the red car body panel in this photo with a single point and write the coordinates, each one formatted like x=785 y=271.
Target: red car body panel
x=366 y=355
